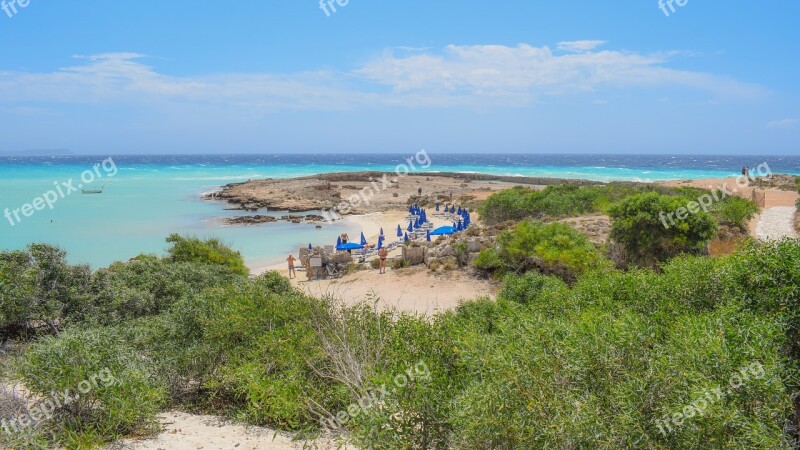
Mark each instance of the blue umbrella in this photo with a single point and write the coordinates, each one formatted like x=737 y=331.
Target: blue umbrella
x=406 y=237
x=459 y=211
x=428 y=236
x=338 y=241
x=443 y=231
x=310 y=247
x=460 y=225
x=411 y=209
x=349 y=246
x=437 y=207
x=410 y=226
x=380 y=242
x=399 y=231
x=453 y=209
x=381 y=235
x=363 y=239
x=416 y=224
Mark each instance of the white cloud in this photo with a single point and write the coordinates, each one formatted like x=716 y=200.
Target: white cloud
x=579 y=46
x=474 y=75
x=784 y=123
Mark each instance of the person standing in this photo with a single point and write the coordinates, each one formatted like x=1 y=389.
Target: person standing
x=383 y=254
x=292 y=273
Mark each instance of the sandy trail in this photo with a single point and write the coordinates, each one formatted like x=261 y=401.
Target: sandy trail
x=192 y=432
x=776 y=223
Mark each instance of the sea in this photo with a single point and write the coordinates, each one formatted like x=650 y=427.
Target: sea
x=146 y=198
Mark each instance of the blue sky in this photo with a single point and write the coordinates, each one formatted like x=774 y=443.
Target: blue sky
x=103 y=77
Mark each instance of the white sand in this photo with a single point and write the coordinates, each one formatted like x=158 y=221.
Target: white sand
x=184 y=431
x=776 y=223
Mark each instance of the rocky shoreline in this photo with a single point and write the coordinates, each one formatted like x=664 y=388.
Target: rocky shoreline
x=373 y=191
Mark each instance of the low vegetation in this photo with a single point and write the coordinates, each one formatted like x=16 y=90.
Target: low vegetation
x=553 y=248
x=694 y=352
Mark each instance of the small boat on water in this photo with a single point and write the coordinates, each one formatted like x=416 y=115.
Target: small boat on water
x=93 y=191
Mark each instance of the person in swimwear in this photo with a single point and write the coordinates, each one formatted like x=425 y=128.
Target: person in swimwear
x=382 y=253
x=292 y=273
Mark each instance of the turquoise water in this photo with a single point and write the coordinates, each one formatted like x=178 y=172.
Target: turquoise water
x=152 y=197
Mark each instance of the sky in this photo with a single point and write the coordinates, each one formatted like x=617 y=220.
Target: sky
x=531 y=76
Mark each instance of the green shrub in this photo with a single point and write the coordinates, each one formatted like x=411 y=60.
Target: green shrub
x=211 y=251
x=39 y=287
x=565 y=200
x=531 y=287
x=400 y=263
x=734 y=211
x=642 y=226
x=553 y=248
x=110 y=391
x=147 y=286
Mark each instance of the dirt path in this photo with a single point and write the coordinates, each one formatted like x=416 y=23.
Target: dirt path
x=184 y=431
x=776 y=223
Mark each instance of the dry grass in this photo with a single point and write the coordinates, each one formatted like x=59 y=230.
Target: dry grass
x=727 y=246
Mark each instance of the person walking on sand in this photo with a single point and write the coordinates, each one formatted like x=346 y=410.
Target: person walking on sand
x=382 y=254
x=292 y=273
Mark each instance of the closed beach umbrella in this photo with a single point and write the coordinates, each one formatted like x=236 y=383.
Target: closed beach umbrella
x=411 y=209
x=381 y=235
x=459 y=211
x=399 y=231
x=416 y=223
x=428 y=236
x=460 y=226
x=453 y=209
x=338 y=241
x=437 y=207
x=410 y=226
x=406 y=237
x=310 y=247
x=380 y=242
x=363 y=239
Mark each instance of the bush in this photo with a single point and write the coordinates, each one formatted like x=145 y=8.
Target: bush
x=734 y=211
x=531 y=288
x=148 y=286
x=111 y=391
x=565 y=200
x=39 y=287
x=642 y=227
x=554 y=248
x=211 y=251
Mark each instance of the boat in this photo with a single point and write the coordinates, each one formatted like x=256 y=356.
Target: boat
x=93 y=191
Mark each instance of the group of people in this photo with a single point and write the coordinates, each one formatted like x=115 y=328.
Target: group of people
x=383 y=255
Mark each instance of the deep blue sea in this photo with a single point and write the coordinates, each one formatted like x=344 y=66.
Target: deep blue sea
x=149 y=197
